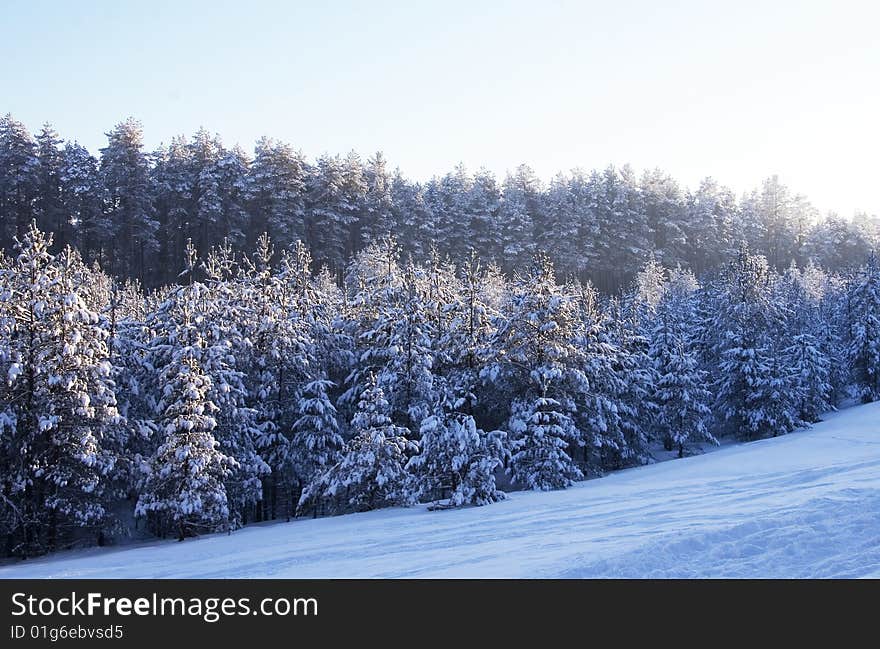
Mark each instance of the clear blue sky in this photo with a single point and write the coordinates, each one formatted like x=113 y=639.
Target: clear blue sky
x=737 y=90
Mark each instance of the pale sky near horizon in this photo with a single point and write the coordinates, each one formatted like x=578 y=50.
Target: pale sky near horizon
x=735 y=90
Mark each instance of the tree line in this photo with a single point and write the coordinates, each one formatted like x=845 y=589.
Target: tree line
x=134 y=211
x=254 y=388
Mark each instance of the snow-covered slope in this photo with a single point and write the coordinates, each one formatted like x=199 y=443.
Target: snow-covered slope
x=803 y=505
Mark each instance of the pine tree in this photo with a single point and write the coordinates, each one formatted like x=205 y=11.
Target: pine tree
x=388 y=321
x=812 y=376
x=231 y=173
x=755 y=392
x=316 y=444
x=665 y=216
x=377 y=217
x=80 y=186
x=536 y=358
x=19 y=180
x=184 y=490
x=205 y=319
x=451 y=209
x=599 y=412
x=541 y=433
x=172 y=184
x=864 y=326
x=457 y=461
x=50 y=213
x=805 y=355
x=412 y=217
x=126 y=178
x=636 y=376
x=558 y=230
x=61 y=399
x=517 y=213
x=708 y=227
x=332 y=211
x=372 y=470
x=277 y=359
x=681 y=402
x=276 y=193
x=484 y=232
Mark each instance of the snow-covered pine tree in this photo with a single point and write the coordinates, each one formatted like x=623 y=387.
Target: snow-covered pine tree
x=457 y=460
x=61 y=399
x=222 y=303
x=389 y=321
x=405 y=332
x=804 y=354
x=81 y=201
x=412 y=217
x=599 y=410
x=279 y=358
x=484 y=233
x=336 y=197
x=205 y=318
x=376 y=218
x=184 y=490
x=650 y=288
x=542 y=432
x=516 y=216
x=126 y=178
x=231 y=173
x=708 y=226
x=665 y=216
x=831 y=332
x=755 y=391
x=465 y=335
x=80 y=416
x=276 y=192
x=812 y=374
x=556 y=231
x=680 y=399
x=372 y=471
x=636 y=377
x=50 y=213
x=537 y=360
x=19 y=180
x=864 y=330
x=623 y=237
x=315 y=443
x=129 y=342
x=439 y=288
x=451 y=208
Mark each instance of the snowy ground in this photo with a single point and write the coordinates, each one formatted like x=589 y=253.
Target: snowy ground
x=802 y=505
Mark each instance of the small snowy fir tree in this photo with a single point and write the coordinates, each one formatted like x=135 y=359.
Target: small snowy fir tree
x=457 y=462
x=184 y=491
x=538 y=452
x=536 y=358
x=812 y=373
x=636 y=377
x=59 y=402
x=372 y=472
x=278 y=355
x=864 y=347
x=315 y=444
x=755 y=390
x=681 y=402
